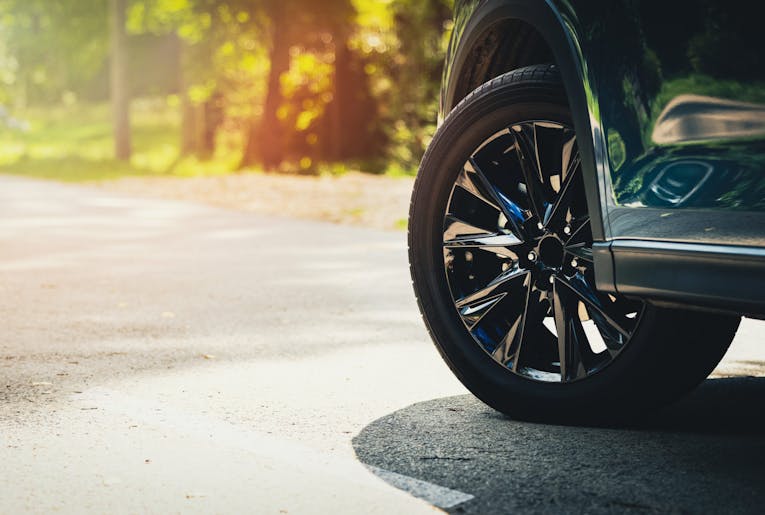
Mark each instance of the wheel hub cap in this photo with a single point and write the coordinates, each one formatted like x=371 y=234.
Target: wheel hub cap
x=551 y=251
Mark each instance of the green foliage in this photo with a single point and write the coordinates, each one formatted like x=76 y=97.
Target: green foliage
x=74 y=144
x=360 y=83
x=406 y=41
x=49 y=48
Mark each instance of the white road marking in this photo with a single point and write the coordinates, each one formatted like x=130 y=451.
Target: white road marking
x=436 y=495
x=221 y=433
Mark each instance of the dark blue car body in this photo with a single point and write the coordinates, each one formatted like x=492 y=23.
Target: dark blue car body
x=668 y=101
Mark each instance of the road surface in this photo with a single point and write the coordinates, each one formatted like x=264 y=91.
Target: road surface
x=160 y=356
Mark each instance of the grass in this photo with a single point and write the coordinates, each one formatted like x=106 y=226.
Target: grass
x=74 y=144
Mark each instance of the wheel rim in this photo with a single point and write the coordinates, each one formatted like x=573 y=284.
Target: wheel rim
x=518 y=256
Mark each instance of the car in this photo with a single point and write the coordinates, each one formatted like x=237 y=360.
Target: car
x=587 y=226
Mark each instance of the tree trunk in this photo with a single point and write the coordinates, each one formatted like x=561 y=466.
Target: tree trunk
x=212 y=118
x=188 y=126
x=265 y=141
x=188 y=121
x=120 y=98
x=342 y=101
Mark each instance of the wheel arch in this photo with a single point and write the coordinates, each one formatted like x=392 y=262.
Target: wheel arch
x=502 y=35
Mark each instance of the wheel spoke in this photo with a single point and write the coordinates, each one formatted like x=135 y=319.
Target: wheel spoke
x=467 y=181
x=557 y=211
x=456 y=228
x=511 y=343
x=581 y=251
x=498 y=285
x=474 y=308
x=497 y=243
x=533 y=314
x=526 y=147
x=510 y=209
x=569 y=355
x=614 y=339
x=579 y=287
x=581 y=232
x=474 y=312
x=590 y=360
x=486 y=240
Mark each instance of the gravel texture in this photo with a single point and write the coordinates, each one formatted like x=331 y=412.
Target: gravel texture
x=380 y=202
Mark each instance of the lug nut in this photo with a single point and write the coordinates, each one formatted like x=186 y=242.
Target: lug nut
x=567 y=230
x=532 y=256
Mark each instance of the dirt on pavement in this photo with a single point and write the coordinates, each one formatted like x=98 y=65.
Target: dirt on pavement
x=381 y=202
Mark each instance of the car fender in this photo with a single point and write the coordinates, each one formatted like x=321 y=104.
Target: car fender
x=559 y=30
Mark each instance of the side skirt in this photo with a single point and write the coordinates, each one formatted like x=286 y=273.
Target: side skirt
x=717 y=277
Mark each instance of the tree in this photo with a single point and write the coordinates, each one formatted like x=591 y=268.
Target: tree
x=120 y=96
x=404 y=42
x=317 y=32
x=222 y=63
x=419 y=27
x=265 y=139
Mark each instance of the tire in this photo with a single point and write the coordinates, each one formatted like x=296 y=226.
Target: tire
x=488 y=231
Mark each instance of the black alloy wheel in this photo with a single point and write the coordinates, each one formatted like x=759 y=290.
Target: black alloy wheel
x=518 y=257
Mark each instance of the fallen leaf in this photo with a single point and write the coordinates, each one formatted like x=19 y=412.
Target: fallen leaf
x=208 y=356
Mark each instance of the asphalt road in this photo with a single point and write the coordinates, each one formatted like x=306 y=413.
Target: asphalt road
x=161 y=357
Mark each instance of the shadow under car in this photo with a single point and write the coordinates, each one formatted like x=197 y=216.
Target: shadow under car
x=705 y=453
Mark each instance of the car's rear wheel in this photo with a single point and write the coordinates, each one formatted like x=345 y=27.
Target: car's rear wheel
x=501 y=259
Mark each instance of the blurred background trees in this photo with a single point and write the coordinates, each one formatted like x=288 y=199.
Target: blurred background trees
x=289 y=85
